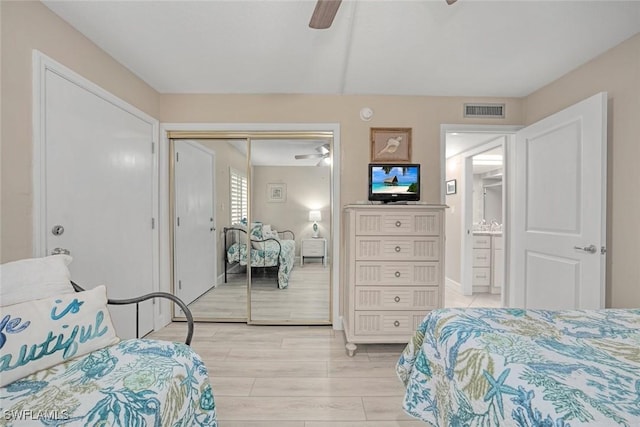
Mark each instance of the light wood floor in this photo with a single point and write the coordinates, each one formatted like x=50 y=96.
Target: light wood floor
x=305 y=299
x=301 y=376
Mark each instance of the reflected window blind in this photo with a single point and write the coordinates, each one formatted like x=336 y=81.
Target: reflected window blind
x=238 y=192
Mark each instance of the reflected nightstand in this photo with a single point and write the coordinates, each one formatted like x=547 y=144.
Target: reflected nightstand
x=313 y=248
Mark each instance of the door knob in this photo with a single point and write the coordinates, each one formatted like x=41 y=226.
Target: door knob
x=591 y=248
x=58 y=251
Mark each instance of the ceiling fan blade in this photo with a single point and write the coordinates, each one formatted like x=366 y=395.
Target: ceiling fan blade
x=308 y=156
x=324 y=13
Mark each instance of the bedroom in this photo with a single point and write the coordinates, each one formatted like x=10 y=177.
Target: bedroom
x=32 y=25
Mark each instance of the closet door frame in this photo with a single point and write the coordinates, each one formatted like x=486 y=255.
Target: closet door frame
x=192 y=130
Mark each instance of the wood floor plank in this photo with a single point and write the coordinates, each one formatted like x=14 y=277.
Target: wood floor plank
x=266 y=368
x=293 y=408
x=328 y=387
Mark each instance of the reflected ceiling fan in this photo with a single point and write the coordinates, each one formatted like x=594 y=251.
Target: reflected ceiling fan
x=323 y=153
x=326 y=10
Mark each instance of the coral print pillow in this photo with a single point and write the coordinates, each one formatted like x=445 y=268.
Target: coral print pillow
x=42 y=333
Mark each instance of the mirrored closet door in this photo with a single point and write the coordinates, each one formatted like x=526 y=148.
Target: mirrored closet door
x=271 y=224
x=290 y=196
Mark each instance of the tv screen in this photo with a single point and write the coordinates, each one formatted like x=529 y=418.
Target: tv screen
x=394 y=182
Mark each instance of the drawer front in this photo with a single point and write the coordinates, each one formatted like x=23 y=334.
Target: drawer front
x=397 y=273
x=481 y=276
x=396 y=298
x=313 y=245
x=481 y=241
x=312 y=251
x=402 y=323
x=397 y=248
x=482 y=257
x=398 y=223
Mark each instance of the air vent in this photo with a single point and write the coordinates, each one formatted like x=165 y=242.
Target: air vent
x=494 y=111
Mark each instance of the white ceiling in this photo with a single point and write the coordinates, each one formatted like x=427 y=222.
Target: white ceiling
x=389 y=47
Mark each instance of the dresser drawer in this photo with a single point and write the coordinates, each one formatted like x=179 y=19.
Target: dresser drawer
x=482 y=257
x=398 y=222
x=396 y=298
x=481 y=241
x=397 y=248
x=397 y=273
x=402 y=323
x=481 y=276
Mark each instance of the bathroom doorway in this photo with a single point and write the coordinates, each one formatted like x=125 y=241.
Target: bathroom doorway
x=475 y=191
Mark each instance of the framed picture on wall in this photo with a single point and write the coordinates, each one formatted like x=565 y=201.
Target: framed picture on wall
x=451 y=187
x=390 y=145
x=276 y=192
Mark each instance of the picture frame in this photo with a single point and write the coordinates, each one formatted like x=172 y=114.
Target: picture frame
x=451 y=187
x=276 y=192
x=391 y=145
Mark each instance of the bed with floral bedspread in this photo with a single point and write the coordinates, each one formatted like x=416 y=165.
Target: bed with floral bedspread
x=136 y=382
x=265 y=252
x=512 y=367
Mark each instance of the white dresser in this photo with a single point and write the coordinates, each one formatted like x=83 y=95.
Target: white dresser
x=394 y=271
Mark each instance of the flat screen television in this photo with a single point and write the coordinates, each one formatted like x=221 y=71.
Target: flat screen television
x=391 y=182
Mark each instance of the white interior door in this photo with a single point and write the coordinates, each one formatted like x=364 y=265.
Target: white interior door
x=194 y=225
x=559 y=211
x=97 y=184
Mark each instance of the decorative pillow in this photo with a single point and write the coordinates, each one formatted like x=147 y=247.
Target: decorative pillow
x=256 y=231
x=38 y=334
x=34 y=278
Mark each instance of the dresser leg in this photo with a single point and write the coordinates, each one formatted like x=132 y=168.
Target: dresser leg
x=351 y=348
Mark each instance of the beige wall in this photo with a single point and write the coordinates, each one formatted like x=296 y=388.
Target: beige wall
x=307 y=188
x=618 y=73
x=26 y=26
x=453 y=216
x=423 y=114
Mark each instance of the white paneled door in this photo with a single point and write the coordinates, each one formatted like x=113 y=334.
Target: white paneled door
x=558 y=257
x=96 y=174
x=194 y=221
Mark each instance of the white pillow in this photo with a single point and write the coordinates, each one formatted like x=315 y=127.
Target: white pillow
x=42 y=333
x=34 y=278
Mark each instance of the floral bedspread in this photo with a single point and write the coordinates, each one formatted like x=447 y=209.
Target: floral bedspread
x=133 y=383
x=266 y=255
x=511 y=367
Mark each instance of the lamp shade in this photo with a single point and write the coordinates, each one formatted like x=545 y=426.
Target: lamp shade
x=315 y=216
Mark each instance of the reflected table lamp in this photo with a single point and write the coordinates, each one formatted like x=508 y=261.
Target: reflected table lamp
x=315 y=216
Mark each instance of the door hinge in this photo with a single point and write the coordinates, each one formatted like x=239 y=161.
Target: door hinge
x=153 y=223
x=177 y=156
x=153 y=147
x=179 y=284
x=178 y=221
x=603 y=250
